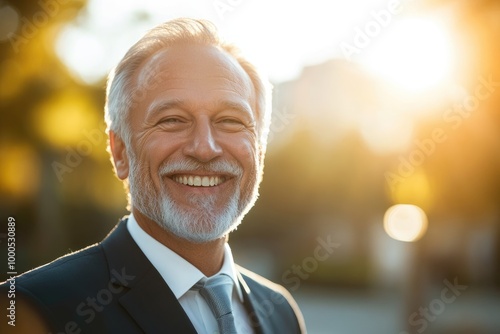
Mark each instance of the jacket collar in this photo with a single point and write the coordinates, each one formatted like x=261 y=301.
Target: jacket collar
x=259 y=308
x=146 y=290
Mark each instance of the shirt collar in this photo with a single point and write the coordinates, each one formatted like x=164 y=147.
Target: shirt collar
x=179 y=274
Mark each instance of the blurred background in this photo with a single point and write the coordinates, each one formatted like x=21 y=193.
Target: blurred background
x=379 y=209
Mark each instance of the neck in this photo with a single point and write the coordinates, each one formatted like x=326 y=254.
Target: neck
x=207 y=257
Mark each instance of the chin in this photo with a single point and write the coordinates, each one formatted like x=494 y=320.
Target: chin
x=200 y=233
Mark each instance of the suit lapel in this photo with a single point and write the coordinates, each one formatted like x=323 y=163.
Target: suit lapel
x=258 y=321
x=156 y=309
x=149 y=300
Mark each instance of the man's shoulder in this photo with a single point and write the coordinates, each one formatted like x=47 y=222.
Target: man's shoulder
x=66 y=270
x=265 y=289
x=86 y=266
x=59 y=292
x=59 y=285
x=269 y=297
x=256 y=281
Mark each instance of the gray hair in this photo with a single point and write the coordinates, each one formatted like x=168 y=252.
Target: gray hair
x=121 y=96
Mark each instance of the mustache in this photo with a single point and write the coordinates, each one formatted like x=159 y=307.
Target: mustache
x=219 y=166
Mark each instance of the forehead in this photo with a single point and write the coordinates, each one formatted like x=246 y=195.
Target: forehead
x=195 y=68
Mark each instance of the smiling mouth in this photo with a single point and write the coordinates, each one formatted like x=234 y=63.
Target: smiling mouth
x=199 y=181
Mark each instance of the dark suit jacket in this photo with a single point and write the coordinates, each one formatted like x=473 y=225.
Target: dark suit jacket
x=111 y=287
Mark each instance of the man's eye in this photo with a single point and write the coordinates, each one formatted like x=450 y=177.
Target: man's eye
x=231 y=124
x=171 y=120
x=232 y=121
x=172 y=123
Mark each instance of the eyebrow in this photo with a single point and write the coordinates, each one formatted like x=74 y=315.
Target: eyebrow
x=227 y=104
x=157 y=107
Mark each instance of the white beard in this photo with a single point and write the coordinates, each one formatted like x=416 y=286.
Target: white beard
x=202 y=222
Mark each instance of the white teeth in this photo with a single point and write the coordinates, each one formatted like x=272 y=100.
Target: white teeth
x=205 y=181
x=199 y=181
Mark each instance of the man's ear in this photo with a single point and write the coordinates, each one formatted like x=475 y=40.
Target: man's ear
x=119 y=152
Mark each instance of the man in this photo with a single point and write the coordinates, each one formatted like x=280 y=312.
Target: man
x=188 y=119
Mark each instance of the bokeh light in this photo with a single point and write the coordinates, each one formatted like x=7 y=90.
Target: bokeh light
x=405 y=222
x=9 y=20
x=61 y=119
x=19 y=171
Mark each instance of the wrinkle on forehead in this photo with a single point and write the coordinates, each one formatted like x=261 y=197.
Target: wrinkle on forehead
x=189 y=58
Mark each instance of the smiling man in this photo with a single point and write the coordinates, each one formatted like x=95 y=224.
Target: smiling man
x=188 y=119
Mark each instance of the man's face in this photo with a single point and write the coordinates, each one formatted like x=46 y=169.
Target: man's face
x=194 y=155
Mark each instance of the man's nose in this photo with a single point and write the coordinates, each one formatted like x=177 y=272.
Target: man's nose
x=202 y=144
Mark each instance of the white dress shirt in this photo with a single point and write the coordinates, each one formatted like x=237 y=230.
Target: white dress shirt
x=180 y=276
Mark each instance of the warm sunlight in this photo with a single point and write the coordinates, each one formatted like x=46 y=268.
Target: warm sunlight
x=19 y=170
x=415 y=54
x=280 y=44
x=61 y=119
x=405 y=222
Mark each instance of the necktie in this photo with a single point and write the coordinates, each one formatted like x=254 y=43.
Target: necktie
x=217 y=291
